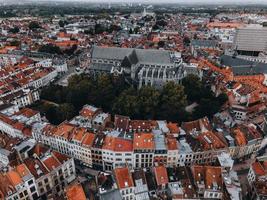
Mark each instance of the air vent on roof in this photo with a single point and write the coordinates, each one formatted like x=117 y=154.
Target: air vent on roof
x=39 y=172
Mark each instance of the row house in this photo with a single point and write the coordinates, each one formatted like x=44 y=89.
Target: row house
x=257 y=171
x=140 y=185
x=19 y=183
x=143 y=148
x=172 y=151
x=21 y=98
x=11 y=127
x=67 y=139
x=97 y=156
x=125 y=183
x=160 y=182
x=51 y=169
x=91 y=117
x=12 y=150
x=107 y=187
x=82 y=141
x=27 y=116
x=59 y=65
x=160 y=153
x=248 y=141
x=208 y=181
x=7 y=151
x=257 y=179
x=117 y=152
x=146 y=143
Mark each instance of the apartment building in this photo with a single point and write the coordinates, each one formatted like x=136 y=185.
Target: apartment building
x=144 y=147
x=125 y=183
x=18 y=183
x=67 y=139
x=52 y=170
x=117 y=152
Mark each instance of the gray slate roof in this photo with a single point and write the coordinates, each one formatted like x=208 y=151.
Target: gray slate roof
x=204 y=43
x=111 y=53
x=244 y=67
x=145 y=56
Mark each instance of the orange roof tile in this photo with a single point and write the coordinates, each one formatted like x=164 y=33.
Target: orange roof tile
x=88 y=139
x=172 y=143
x=123 y=177
x=22 y=170
x=240 y=137
x=75 y=192
x=258 y=169
x=14 y=178
x=208 y=174
x=64 y=130
x=210 y=140
x=161 y=175
x=173 y=127
x=51 y=163
x=143 y=141
x=117 y=144
x=78 y=134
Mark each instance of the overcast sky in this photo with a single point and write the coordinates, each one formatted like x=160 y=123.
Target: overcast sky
x=160 y=1
x=176 y=1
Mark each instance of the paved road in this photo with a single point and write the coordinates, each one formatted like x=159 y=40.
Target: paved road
x=64 y=79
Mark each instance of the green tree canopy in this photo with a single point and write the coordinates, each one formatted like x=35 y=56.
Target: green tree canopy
x=172 y=102
x=34 y=25
x=14 y=30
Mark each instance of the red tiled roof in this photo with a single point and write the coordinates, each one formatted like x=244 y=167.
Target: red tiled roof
x=143 y=141
x=161 y=175
x=117 y=144
x=51 y=163
x=75 y=192
x=123 y=177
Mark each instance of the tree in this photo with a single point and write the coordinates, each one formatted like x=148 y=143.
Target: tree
x=15 y=43
x=192 y=87
x=222 y=98
x=50 y=112
x=33 y=25
x=148 y=100
x=161 y=44
x=136 y=30
x=71 y=50
x=50 y=48
x=106 y=93
x=89 y=32
x=61 y=23
x=99 y=29
x=114 y=27
x=14 y=30
x=172 y=102
x=66 y=111
x=127 y=103
x=161 y=23
x=186 y=41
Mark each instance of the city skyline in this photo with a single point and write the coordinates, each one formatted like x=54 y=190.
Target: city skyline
x=234 y=2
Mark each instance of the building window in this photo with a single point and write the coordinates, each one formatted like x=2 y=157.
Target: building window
x=30 y=182
x=46 y=180
x=32 y=189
